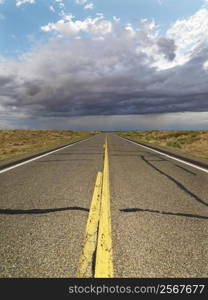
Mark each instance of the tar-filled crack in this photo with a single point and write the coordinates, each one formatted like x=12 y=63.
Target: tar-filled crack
x=130 y=210
x=94 y=254
x=93 y=263
x=8 y=211
x=180 y=185
x=188 y=171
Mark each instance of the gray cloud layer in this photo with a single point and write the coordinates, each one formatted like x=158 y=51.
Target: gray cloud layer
x=124 y=73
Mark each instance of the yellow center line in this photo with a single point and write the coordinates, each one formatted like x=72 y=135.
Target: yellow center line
x=98 y=239
x=90 y=241
x=104 y=264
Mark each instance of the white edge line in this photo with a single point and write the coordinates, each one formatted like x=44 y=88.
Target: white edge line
x=172 y=157
x=40 y=156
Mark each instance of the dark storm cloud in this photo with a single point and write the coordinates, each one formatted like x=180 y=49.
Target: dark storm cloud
x=4 y=80
x=119 y=75
x=168 y=47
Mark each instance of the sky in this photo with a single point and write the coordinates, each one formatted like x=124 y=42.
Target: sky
x=104 y=64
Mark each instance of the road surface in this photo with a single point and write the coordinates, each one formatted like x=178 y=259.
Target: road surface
x=159 y=212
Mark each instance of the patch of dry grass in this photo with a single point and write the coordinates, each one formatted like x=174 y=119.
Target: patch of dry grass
x=187 y=141
x=17 y=142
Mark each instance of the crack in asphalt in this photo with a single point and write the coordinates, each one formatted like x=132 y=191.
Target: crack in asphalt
x=188 y=171
x=180 y=185
x=129 y=210
x=39 y=211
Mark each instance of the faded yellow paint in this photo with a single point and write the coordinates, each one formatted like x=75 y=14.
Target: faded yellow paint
x=104 y=263
x=90 y=241
x=98 y=238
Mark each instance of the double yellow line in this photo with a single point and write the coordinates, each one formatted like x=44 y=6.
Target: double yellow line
x=96 y=257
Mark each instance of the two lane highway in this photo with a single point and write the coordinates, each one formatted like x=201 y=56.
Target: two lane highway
x=159 y=212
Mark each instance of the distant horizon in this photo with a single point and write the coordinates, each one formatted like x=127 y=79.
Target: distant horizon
x=102 y=130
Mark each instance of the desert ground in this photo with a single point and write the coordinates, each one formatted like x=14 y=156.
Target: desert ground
x=187 y=141
x=17 y=142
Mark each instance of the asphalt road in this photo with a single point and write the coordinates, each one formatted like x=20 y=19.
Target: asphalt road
x=159 y=213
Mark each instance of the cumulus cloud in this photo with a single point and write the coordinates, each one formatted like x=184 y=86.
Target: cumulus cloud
x=89 y=6
x=21 y=2
x=67 y=26
x=116 y=19
x=85 y=5
x=119 y=70
x=189 y=34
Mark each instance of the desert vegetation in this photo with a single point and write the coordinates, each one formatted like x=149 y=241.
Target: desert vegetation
x=17 y=142
x=187 y=141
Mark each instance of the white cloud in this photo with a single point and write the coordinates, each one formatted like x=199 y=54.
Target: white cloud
x=61 y=5
x=86 y=6
x=51 y=8
x=67 y=26
x=21 y=2
x=81 y=1
x=116 y=19
x=2 y=1
x=89 y=6
x=206 y=65
x=188 y=34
